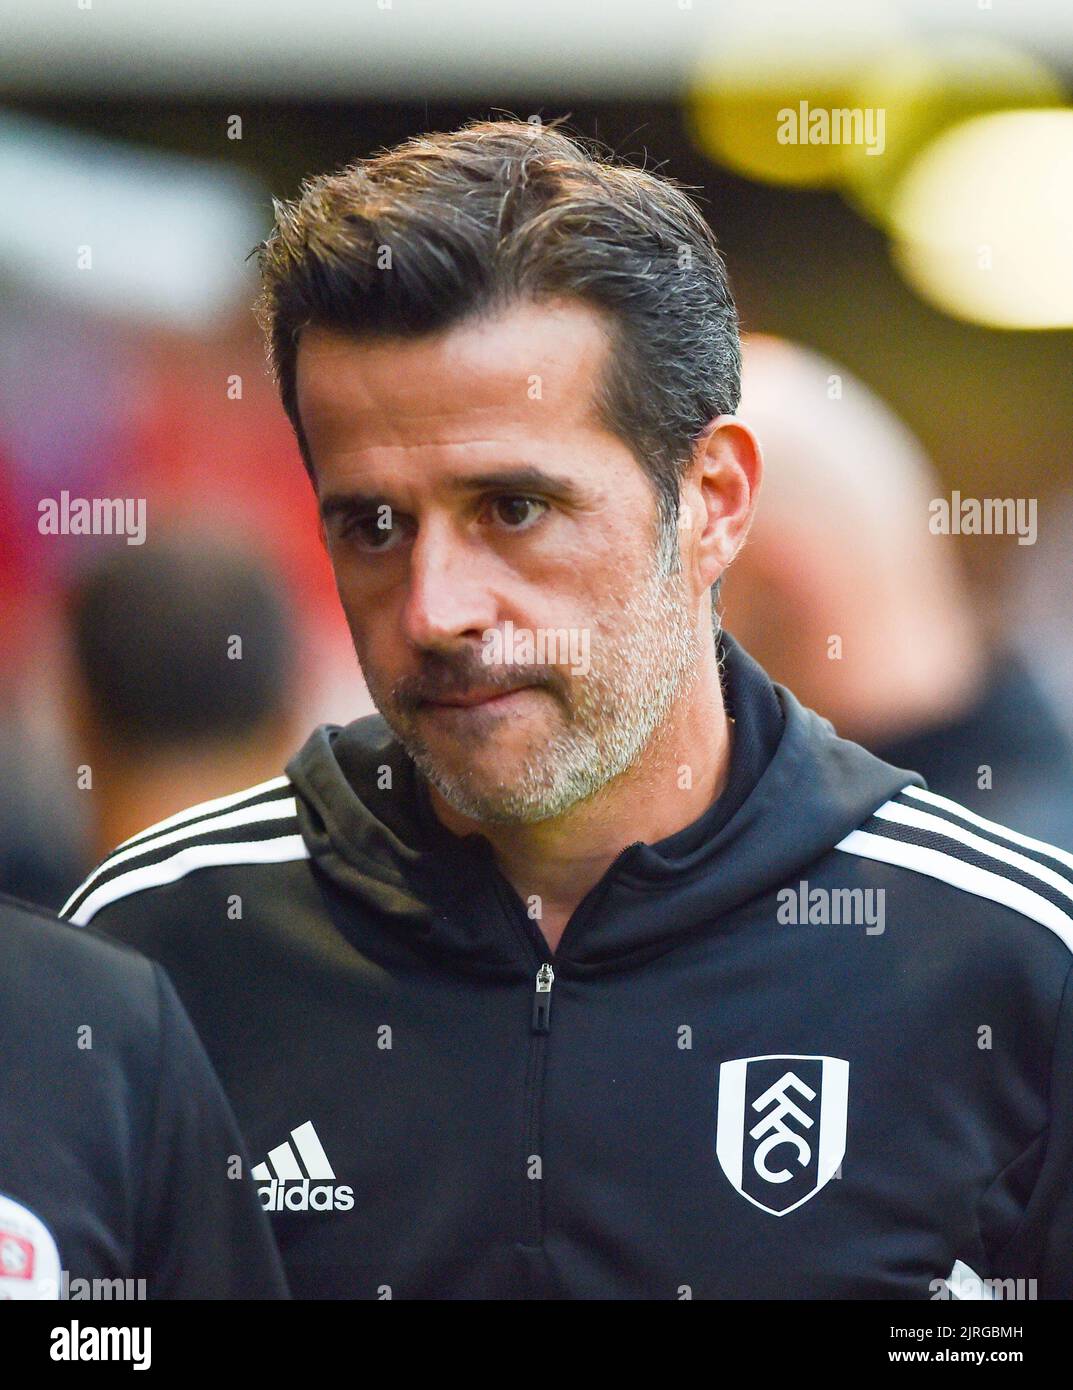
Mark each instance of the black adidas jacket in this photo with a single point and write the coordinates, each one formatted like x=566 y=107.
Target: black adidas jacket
x=820 y=1047
x=120 y=1159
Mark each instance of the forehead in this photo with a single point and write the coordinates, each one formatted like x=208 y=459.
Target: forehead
x=531 y=369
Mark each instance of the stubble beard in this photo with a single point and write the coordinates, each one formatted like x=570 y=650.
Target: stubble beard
x=650 y=656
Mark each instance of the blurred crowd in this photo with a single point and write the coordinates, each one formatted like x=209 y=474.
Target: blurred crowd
x=114 y=708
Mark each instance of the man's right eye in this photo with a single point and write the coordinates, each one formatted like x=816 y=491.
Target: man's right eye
x=372 y=531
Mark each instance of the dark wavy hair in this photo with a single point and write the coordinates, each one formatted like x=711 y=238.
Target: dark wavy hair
x=444 y=227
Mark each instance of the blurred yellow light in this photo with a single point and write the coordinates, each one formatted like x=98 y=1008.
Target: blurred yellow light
x=983 y=221
x=926 y=89
x=776 y=68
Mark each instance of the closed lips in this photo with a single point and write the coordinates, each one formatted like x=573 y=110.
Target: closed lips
x=478 y=698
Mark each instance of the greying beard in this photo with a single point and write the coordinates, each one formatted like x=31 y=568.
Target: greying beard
x=614 y=713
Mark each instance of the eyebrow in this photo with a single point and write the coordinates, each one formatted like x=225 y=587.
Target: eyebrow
x=527 y=478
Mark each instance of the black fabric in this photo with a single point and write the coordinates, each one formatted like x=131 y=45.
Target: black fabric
x=119 y=1138
x=504 y=1123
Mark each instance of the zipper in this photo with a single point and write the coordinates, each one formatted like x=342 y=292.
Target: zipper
x=538 y=954
x=542 y=999
x=540 y=1027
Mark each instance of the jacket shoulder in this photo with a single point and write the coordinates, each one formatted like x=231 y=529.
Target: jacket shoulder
x=45 y=957
x=940 y=839
x=258 y=825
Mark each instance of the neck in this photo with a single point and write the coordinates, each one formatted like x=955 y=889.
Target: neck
x=679 y=775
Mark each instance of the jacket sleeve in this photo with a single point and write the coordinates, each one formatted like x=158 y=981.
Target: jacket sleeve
x=1041 y=1247
x=201 y=1231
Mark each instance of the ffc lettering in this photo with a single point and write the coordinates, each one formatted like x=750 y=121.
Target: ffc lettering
x=782 y=1134
x=781 y=1127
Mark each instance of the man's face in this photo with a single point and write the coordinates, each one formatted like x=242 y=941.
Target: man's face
x=496 y=554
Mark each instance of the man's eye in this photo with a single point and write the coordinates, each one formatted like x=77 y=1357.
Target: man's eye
x=372 y=532
x=518 y=513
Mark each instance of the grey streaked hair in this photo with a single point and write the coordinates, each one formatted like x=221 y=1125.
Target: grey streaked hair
x=501 y=211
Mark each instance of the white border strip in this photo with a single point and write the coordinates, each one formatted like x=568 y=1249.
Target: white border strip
x=277 y=851
x=956 y=872
x=245 y=815
x=206 y=808
x=922 y=820
x=1014 y=836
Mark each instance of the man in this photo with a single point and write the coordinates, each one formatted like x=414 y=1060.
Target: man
x=122 y=1173
x=595 y=965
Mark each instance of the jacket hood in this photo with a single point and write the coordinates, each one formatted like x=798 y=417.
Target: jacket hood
x=366 y=818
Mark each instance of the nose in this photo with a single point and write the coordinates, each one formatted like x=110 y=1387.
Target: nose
x=448 y=594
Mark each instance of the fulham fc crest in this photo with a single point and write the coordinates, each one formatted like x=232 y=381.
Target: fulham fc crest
x=781 y=1130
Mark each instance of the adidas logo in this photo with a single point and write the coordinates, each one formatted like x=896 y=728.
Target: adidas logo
x=284 y=1186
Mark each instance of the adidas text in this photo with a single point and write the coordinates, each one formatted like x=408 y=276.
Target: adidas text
x=303 y=1195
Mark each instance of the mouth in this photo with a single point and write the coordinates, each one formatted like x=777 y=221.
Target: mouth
x=491 y=699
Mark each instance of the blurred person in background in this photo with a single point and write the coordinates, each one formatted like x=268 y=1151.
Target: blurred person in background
x=41 y=853
x=843 y=593
x=184 y=683
x=1036 y=604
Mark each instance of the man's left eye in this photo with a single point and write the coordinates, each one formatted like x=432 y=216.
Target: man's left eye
x=518 y=513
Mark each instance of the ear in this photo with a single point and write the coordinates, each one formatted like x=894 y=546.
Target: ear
x=720 y=491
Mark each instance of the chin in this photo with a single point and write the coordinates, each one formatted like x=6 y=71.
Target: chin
x=514 y=743
x=473 y=782
x=471 y=785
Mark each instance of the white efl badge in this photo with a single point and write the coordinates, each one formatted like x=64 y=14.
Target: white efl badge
x=781 y=1130
x=29 y=1260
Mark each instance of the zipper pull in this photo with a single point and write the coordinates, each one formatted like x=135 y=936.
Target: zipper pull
x=542 y=999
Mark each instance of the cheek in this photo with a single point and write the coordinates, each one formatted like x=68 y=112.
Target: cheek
x=370 y=629
x=363 y=589
x=595 y=564
x=377 y=655
x=584 y=592
x=605 y=585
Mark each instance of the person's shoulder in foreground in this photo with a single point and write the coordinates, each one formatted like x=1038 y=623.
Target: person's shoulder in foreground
x=874 y=983
x=122 y=1171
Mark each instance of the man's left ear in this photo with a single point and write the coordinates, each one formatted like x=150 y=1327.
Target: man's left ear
x=721 y=490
